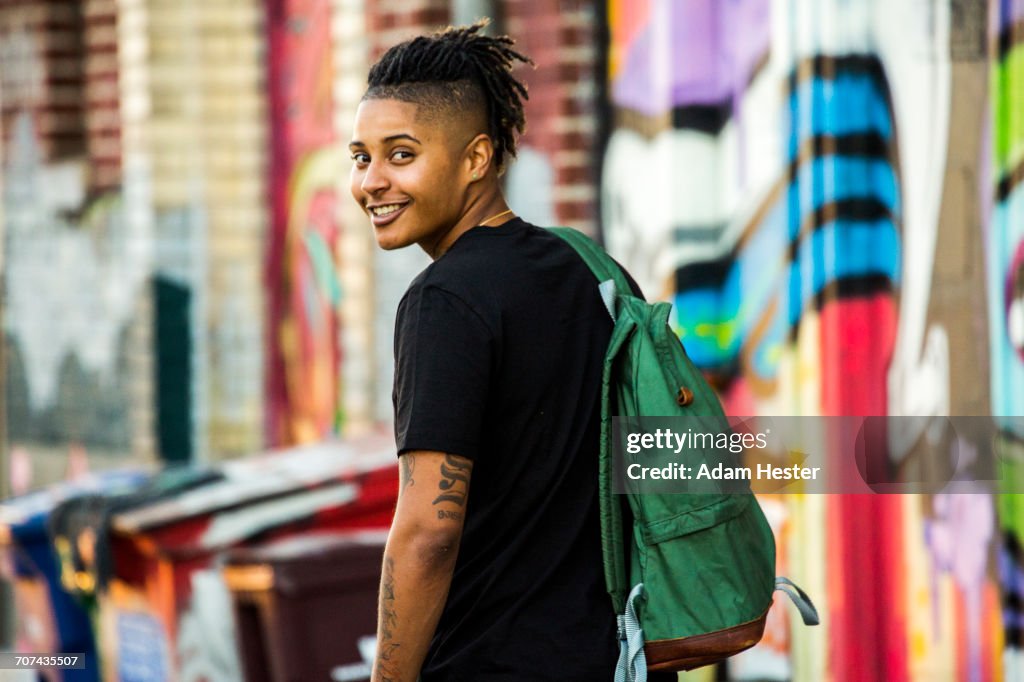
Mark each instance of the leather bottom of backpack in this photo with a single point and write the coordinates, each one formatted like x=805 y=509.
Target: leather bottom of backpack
x=687 y=653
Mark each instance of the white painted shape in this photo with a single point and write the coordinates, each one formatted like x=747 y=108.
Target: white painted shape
x=207 y=648
x=649 y=188
x=912 y=38
x=529 y=185
x=1015 y=323
x=367 y=647
x=760 y=119
x=831 y=27
x=358 y=671
x=71 y=289
x=1013 y=663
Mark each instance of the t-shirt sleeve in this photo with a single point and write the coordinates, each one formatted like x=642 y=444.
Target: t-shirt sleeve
x=443 y=352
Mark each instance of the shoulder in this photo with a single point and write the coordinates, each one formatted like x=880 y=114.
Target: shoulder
x=432 y=302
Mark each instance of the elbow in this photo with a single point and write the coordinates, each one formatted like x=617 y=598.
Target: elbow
x=432 y=549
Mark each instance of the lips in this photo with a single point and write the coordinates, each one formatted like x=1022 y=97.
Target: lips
x=382 y=220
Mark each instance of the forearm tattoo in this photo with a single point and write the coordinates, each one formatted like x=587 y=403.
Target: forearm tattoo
x=387 y=670
x=454 y=483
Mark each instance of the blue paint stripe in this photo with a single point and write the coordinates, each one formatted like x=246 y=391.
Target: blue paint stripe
x=838 y=178
x=1007 y=230
x=848 y=105
x=841 y=249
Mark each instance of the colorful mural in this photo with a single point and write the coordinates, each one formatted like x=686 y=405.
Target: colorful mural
x=801 y=179
x=1004 y=192
x=304 y=288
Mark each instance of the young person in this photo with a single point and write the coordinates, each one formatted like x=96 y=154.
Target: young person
x=493 y=567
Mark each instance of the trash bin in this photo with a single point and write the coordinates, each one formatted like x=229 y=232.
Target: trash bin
x=79 y=530
x=306 y=607
x=169 y=611
x=48 y=619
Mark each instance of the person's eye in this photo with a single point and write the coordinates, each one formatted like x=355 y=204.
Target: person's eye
x=402 y=155
x=361 y=158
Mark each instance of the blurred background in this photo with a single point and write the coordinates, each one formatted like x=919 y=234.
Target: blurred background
x=831 y=192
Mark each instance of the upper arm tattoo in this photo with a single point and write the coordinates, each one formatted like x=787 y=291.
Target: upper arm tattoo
x=454 y=483
x=408 y=466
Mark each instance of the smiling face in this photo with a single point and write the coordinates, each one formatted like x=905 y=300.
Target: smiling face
x=410 y=175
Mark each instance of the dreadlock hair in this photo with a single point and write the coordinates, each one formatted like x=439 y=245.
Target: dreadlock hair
x=458 y=70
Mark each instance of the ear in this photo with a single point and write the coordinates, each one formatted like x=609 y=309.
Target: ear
x=478 y=157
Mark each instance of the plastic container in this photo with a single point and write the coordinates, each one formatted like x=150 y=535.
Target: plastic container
x=306 y=608
x=168 y=609
x=49 y=619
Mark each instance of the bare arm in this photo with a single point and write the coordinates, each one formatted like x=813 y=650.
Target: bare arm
x=419 y=560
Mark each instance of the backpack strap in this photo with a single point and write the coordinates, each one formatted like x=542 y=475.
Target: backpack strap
x=610 y=278
x=599 y=262
x=800 y=599
x=632 y=663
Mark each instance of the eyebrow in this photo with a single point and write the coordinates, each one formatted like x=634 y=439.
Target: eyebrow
x=389 y=138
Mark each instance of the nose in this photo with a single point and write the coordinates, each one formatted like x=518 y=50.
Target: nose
x=374 y=179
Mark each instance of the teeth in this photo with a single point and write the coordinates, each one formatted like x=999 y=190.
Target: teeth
x=385 y=210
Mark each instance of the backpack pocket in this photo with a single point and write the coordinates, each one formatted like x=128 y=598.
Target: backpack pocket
x=708 y=574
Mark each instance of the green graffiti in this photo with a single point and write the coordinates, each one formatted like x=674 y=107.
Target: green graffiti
x=1008 y=114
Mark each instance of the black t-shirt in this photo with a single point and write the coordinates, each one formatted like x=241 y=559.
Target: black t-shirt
x=498 y=353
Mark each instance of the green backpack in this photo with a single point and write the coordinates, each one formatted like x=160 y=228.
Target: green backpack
x=697 y=581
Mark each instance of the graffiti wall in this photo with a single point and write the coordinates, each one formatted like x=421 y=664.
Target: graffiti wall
x=1003 y=199
x=76 y=267
x=819 y=190
x=133 y=214
x=305 y=290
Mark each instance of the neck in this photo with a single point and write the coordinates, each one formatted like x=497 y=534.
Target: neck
x=476 y=213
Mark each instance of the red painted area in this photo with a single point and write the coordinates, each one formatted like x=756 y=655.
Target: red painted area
x=738 y=399
x=159 y=560
x=867 y=622
x=992 y=633
x=303 y=322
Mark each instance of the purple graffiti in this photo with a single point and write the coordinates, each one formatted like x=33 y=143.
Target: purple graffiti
x=958 y=538
x=693 y=52
x=1011 y=11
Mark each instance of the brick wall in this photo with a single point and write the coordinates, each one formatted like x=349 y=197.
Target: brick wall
x=102 y=115
x=41 y=60
x=561 y=113
x=233 y=136
x=195 y=137
x=356 y=252
x=392 y=21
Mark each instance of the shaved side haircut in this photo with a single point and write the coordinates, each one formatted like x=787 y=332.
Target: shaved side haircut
x=458 y=73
